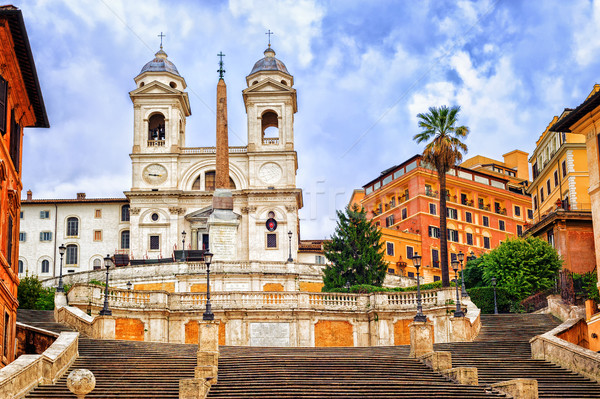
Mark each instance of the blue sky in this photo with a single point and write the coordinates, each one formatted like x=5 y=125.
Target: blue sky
x=363 y=71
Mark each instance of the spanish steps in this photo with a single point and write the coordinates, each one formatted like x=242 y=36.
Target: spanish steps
x=128 y=369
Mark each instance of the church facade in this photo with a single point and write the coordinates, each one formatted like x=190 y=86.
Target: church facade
x=173 y=185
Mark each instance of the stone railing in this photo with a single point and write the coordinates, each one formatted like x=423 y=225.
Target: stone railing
x=573 y=357
x=212 y=150
x=91 y=295
x=27 y=371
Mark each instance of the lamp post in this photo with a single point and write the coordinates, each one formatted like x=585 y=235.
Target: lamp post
x=290 y=244
x=183 y=233
x=105 y=310
x=208 y=315
x=419 y=316
x=495 y=303
x=347 y=286
x=61 y=251
x=458 y=312
x=461 y=258
x=129 y=285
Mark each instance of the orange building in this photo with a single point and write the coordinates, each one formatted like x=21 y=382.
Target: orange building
x=483 y=210
x=21 y=105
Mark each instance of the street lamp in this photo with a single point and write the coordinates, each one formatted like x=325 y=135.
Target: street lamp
x=461 y=258
x=290 y=244
x=419 y=316
x=347 y=286
x=495 y=303
x=105 y=310
x=129 y=285
x=208 y=315
x=458 y=312
x=61 y=251
x=183 y=233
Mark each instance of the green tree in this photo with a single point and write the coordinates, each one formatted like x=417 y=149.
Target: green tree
x=443 y=150
x=473 y=273
x=524 y=266
x=355 y=251
x=32 y=295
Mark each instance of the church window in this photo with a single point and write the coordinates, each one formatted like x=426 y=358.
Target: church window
x=154 y=243
x=156 y=127
x=255 y=82
x=196 y=185
x=125 y=213
x=284 y=82
x=45 y=266
x=71 y=256
x=271 y=240
x=270 y=128
x=72 y=227
x=210 y=181
x=173 y=85
x=97 y=235
x=142 y=84
x=154 y=217
x=125 y=239
x=97 y=264
x=3 y=102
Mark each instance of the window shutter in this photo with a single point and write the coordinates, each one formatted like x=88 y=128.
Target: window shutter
x=3 y=98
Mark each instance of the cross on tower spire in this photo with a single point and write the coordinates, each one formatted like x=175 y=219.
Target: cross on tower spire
x=269 y=33
x=221 y=70
x=161 y=37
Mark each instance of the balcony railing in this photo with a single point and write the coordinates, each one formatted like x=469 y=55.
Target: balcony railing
x=212 y=150
x=156 y=143
x=270 y=141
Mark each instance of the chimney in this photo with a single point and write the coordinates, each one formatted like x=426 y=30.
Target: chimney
x=80 y=196
x=29 y=195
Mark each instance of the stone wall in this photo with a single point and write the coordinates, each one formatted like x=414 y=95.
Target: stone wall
x=32 y=340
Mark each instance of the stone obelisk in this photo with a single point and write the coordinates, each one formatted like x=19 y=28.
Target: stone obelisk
x=223 y=222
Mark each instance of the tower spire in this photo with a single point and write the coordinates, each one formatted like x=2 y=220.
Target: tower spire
x=161 y=37
x=222 y=173
x=269 y=33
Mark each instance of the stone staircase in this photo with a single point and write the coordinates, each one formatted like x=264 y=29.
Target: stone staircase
x=502 y=352
x=375 y=372
x=41 y=319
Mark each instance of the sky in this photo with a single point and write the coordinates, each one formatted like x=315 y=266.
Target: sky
x=363 y=70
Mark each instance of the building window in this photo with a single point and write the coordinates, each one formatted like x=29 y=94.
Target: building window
x=501 y=225
x=410 y=274
x=154 y=243
x=529 y=214
x=271 y=240
x=436 y=278
x=469 y=239
x=9 y=247
x=404 y=213
x=452 y=257
x=409 y=252
x=517 y=210
x=555 y=178
x=3 y=104
x=98 y=213
x=550 y=235
x=156 y=128
x=390 y=248
x=389 y=221
x=391 y=271
x=210 y=181
x=71 y=256
x=97 y=235
x=535 y=203
x=452 y=213
x=44 y=214
x=485 y=221
x=542 y=194
x=97 y=264
x=46 y=236
x=468 y=217
x=125 y=239
x=564 y=169
x=434 y=232
x=20 y=266
x=154 y=217
x=452 y=235
x=15 y=142
x=6 y=334
x=319 y=259
x=45 y=266
x=72 y=227
x=432 y=209
x=393 y=202
x=548 y=186
x=125 y=213
x=486 y=242
x=22 y=236
x=519 y=230
x=22 y=215
x=435 y=258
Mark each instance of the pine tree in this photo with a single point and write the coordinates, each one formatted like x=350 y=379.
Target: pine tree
x=355 y=251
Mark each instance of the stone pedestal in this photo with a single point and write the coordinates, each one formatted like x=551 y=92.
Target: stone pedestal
x=520 y=388
x=192 y=388
x=208 y=351
x=463 y=375
x=223 y=227
x=461 y=327
x=421 y=338
x=438 y=361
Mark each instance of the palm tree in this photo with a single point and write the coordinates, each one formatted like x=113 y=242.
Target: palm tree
x=443 y=150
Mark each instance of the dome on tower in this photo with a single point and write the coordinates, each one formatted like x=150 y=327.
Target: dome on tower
x=160 y=63
x=269 y=63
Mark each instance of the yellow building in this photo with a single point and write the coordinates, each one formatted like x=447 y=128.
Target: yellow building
x=559 y=193
x=583 y=122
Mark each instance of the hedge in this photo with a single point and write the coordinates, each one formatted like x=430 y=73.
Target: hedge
x=483 y=298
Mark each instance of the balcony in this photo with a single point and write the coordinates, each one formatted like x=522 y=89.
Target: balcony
x=500 y=211
x=270 y=141
x=485 y=207
x=431 y=193
x=156 y=143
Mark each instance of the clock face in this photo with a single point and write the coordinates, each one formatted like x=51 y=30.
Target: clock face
x=155 y=174
x=270 y=173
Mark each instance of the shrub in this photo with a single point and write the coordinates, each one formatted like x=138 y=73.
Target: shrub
x=483 y=298
x=586 y=285
x=32 y=295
